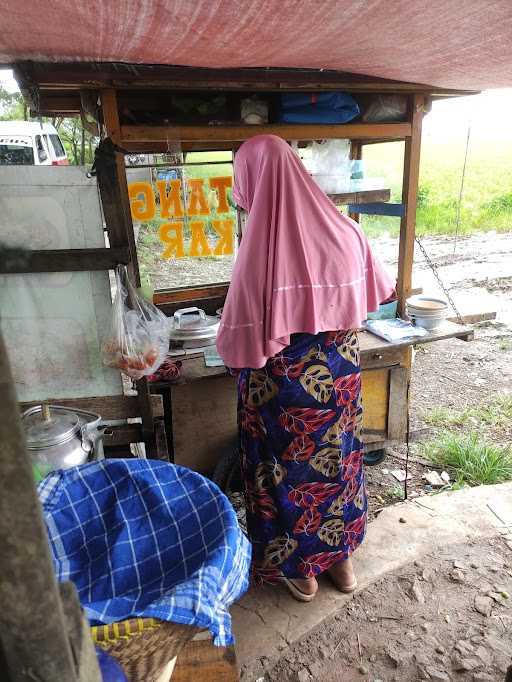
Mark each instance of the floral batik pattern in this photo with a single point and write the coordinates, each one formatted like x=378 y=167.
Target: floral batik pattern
x=300 y=421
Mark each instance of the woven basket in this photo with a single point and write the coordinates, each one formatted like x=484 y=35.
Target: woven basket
x=145 y=647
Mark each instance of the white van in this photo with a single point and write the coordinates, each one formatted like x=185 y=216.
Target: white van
x=30 y=143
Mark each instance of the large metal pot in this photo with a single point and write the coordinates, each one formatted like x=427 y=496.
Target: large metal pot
x=191 y=327
x=60 y=437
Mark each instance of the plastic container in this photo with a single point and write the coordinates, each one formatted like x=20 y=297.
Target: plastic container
x=332 y=184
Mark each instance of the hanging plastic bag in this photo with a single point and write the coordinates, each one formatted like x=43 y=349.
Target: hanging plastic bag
x=331 y=166
x=386 y=109
x=139 y=338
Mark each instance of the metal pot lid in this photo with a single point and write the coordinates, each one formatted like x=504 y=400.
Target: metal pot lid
x=45 y=426
x=193 y=323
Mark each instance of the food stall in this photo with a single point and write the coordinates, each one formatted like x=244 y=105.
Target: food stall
x=114 y=70
x=207 y=395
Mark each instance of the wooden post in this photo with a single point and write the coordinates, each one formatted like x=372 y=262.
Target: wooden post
x=33 y=633
x=409 y=199
x=116 y=208
x=113 y=187
x=356 y=153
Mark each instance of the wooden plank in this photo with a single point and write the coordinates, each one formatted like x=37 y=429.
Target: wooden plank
x=188 y=294
x=116 y=436
x=204 y=407
x=116 y=207
x=201 y=660
x=382 y=358
x=64 y=103
x=356 y=153
x=162 y=146
x=390 y=131
x=448 y=330
x=79 y=633
x=109 y=407
x=161 y=448
x=409 y=200
x=397 y=412
x=474 y=318
x=361 y=197
x=64 y=260
x=94 y=75
x=193 y=368
x=110 y=114
x=33 y=634
x=375 y=396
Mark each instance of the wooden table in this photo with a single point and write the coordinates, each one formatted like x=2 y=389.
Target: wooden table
x=201 y=405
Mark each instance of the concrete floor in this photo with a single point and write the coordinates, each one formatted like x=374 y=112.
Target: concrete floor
x=268 y=619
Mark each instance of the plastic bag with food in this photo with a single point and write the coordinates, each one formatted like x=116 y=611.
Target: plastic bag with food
x=138 y=342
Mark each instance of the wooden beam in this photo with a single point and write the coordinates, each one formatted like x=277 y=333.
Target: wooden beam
x=116 y=206
x=109 y=407
x=201 y=660
x=380 y=196
x=63 y=260
x=59 y=103
x=112 y=182
x=33 y=635
x=356 y=154
x=397 y=415
x=190 y=294
x=95 y=75
x=162 y=147
x=409 y=200
x=360 y=131
x=79 y=632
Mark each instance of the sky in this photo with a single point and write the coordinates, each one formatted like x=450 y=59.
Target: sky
x=489 y=114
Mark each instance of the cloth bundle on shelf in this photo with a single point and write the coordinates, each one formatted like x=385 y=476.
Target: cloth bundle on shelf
x=323 y=107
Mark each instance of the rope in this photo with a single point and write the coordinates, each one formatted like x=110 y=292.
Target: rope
x=407 y=437
x=461 y=190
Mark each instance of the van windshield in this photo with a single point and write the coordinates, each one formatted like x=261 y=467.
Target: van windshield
x=15 y=155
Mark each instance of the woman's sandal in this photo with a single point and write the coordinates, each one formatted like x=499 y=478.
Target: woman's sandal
x=340 y=585
x=296 y=592
x=346 y=589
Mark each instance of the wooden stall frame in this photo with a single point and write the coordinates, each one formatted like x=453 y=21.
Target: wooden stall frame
x=118 y=83
x=230 y=136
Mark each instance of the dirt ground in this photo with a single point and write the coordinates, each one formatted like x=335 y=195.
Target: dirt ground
x=446 y=618
x=453 y=375
x=450 y=617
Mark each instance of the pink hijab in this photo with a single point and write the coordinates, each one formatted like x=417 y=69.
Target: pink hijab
x=302 y=265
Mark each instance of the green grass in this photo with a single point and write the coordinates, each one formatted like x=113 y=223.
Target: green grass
x=487 y=198
x=473 y=460
x=441 y=417
x=395 y=493
x=497 y=413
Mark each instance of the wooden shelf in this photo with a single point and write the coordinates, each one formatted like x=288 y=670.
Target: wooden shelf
x=239 y=133
x=369 y=196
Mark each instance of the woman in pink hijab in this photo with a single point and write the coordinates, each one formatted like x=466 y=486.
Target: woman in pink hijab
x=303 y=282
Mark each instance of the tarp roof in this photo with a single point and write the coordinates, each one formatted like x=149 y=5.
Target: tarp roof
x=460 y=44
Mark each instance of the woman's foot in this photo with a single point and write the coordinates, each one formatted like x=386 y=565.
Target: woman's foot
x=302 y=589
x=343 y=576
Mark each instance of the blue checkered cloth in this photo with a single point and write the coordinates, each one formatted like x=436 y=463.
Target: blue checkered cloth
x=146 y=538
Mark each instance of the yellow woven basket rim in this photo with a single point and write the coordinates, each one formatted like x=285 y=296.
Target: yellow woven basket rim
x=123 y=630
